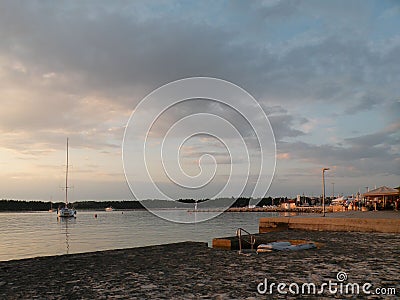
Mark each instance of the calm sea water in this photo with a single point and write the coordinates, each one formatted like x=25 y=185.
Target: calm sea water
x=24 y=235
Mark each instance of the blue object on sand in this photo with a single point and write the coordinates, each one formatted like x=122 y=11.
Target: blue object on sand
x=284 y=246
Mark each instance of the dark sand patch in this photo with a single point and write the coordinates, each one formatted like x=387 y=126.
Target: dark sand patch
x=194 y=271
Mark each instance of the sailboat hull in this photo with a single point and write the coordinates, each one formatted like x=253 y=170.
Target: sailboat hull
x=66 y=213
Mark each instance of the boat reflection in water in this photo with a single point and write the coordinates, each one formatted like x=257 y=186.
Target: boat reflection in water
x=64 y=224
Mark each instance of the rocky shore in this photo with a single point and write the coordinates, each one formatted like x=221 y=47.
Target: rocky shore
x=194 y=271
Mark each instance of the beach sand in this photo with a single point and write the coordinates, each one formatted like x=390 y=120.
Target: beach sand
x=193 y=271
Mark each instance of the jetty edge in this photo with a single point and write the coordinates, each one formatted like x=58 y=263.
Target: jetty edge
x=355 y=221
x=329 y=224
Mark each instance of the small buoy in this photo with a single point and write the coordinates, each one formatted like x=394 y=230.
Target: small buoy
x=95 y=215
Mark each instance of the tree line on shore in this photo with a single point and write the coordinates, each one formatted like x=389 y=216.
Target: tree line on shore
x=24 y=205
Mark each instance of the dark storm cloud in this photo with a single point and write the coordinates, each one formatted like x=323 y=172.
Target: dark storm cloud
x=126 y=52
x=388 y=137
x=366 y=102
x=371 y=154
x=115 y=49
x=284 y=126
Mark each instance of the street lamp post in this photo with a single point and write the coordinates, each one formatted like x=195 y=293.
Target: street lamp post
x=333 y=190
x=323 y=190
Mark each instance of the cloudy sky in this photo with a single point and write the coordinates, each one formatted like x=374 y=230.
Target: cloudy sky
x=326 y=73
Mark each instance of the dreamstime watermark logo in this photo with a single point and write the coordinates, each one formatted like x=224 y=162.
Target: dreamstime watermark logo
x=341 y=276
x=198 y=138
x=332 y=287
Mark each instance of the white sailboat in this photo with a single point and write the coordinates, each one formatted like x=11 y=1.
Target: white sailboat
x=66 y=212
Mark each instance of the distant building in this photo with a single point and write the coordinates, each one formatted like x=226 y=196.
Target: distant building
x=288 y=204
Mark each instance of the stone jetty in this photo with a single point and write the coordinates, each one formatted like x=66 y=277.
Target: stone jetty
x=372 y=221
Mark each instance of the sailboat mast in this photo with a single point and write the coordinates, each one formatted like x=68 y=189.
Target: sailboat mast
x=66 y=179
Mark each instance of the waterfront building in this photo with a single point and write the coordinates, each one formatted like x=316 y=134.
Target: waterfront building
x=382 y=198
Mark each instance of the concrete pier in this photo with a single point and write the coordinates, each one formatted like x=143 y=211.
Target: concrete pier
x=356 y=221
x=350 y=221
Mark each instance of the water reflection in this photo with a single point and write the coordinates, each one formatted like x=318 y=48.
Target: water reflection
x=290 y=214
x=64 y=223
x=110 y=230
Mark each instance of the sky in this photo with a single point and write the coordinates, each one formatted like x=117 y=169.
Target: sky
x=326 y=74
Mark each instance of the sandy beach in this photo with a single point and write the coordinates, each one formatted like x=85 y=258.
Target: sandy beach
x=194 y=271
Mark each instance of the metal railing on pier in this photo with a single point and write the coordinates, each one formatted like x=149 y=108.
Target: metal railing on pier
x=242 y=239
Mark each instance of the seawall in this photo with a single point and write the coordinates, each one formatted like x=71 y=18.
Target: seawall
x=356 y=221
